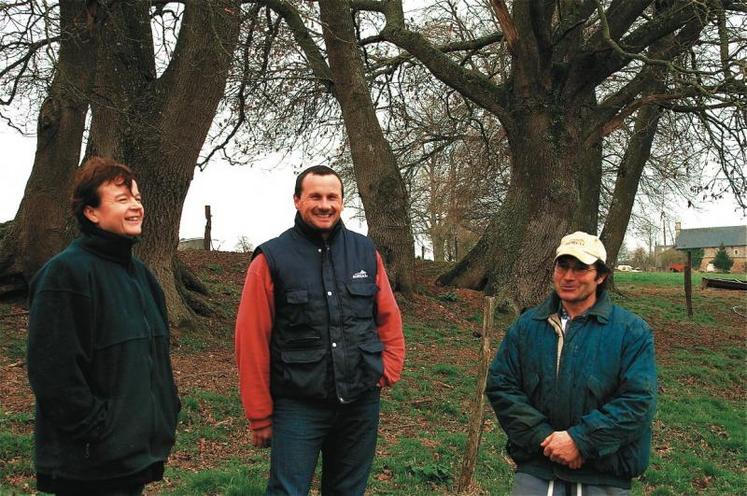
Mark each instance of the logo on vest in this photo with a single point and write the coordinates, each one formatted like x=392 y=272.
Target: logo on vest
x=360 y=275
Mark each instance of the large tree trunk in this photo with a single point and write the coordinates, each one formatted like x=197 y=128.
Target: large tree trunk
x=547 y=199
x=158 y=126
x=378 y=178
x=628 y=178
x=42 y=226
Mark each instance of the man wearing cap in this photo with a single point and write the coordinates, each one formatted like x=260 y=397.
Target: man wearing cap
x=574 y=384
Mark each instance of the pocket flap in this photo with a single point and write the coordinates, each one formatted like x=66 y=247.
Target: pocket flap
x=302 y=356
x=372 y=346
x=296 y=296
x=362 y=289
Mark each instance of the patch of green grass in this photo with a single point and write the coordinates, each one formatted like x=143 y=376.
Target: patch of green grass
x=445 y=369
x=207 y=415
x=192 y=342
x=721 y=373
x=16 y=452
x=16 y=444
x=700 y=431
x=214 y=268
x=233 y=478
x=658 y=307
x=661 y=279
x=449 y=297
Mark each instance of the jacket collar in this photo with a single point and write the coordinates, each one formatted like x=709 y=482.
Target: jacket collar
x=313 y=234
x=108 y=245
x=601 y=309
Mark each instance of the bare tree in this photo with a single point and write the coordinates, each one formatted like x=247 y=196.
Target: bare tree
x=155 y=123
x=578 y=70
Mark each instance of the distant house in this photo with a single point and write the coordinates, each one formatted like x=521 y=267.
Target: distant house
x=734 y=239
x=191 y=244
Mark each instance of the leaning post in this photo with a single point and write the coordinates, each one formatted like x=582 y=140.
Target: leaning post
x=474 y=432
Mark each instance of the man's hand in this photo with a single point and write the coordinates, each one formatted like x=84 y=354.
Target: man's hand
x=561 y=448
x=261 y=437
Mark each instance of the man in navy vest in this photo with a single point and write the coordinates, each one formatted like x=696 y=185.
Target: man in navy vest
x=318 y=333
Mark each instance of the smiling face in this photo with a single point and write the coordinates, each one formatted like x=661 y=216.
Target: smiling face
x=576 y=284
x=320 y=203
x=119 y=211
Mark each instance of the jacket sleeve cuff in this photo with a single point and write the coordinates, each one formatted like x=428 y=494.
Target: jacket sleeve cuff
x=258 y=424
x=584 y=447
x=542 y=432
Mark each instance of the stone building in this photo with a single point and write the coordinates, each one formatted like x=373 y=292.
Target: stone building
x=734 y=239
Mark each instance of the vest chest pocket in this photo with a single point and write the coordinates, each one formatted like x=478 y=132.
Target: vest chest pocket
x=362 y=298
x=295 y=308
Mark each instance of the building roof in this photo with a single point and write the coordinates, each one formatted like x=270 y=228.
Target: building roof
x=708 y=237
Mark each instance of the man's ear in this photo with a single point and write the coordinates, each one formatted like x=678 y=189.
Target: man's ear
x=602 y=278
x=90 y=214
x=296 y=201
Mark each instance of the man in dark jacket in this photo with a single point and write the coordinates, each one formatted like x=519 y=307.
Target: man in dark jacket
x=318 y=332
x=574 y=384
x=98 y=350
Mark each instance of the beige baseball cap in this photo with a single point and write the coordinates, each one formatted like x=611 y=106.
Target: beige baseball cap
x=585 y=247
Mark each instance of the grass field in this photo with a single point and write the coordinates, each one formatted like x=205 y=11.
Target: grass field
x=700 y=440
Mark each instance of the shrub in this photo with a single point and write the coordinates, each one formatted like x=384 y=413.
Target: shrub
x=722 y=261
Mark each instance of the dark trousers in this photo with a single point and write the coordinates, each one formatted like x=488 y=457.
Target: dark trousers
x=345 y=434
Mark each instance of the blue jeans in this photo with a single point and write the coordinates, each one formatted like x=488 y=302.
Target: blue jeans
x=345 y=434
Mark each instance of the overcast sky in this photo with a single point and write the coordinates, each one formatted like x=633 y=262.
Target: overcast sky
x=256 y=202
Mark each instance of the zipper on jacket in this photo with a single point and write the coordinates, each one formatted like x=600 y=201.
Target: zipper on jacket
x=327 y=256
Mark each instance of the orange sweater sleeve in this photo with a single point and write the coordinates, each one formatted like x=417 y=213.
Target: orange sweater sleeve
x=389 y=322
x=252 y=339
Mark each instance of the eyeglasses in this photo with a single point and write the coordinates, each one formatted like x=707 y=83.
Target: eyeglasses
x=563 y=266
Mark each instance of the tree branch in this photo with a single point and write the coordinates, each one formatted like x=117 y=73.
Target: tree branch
x=470 y=83
x=293 y=20
x=507 y=24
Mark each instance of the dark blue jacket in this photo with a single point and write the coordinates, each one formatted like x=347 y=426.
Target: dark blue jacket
x=601 y=389
x=325 y=342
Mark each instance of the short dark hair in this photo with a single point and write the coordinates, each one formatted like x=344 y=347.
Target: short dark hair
x=317 y=170
x=89 y=176
x=602 y=270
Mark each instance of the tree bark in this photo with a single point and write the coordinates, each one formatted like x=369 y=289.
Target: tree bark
x=42 y=226
x=158 y=125
x=547 y=198
x=378 y=178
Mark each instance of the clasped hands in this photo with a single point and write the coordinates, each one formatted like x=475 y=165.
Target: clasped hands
x=561 y=448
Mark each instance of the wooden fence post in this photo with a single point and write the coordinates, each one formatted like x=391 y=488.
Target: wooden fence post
x=474 y=432
x=689 y=284
x=208 y=227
